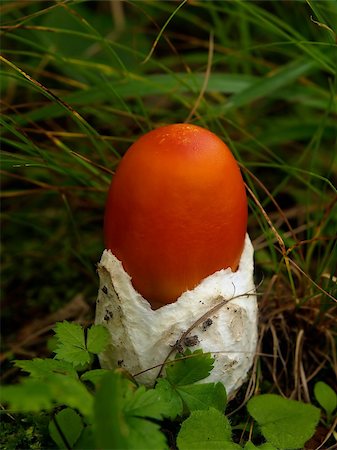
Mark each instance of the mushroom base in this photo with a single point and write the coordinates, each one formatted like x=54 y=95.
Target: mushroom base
x=219 y=316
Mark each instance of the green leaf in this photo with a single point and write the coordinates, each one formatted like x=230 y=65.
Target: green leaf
x=173 y=401
x=97 y=338
x=209 y=430
x=67 y=429
x=69 y=333
x=189 y=367
x=69 y=392
x=326 y=397
x=118 y=428
x=71 y=344
x=144 y=435
x=87 y=439
x=265 y=446
x=76 y=357
x=161 y=402
x=39 y=368
x=94 y=376
x=33 y=395
x=285 y=423
x=203 y=396
x=112 y=429
x=29 y=396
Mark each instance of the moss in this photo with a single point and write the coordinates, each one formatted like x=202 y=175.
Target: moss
x=25 y=432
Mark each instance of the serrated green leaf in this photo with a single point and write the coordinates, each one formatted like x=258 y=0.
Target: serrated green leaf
x=173 y=402
x=326 y=397
x=75 y=356
x=209 y=430
x=285 y=423
x=145 y=435
x=118 y=428
x=203 y=396
x=39 y=368
x=265 y=446
x=71 y=426
x=189 y=368
x=69 y=333
x=29 y=396
x=94 y=376
x=71 y=344
x=158 y=403
x=97 y=338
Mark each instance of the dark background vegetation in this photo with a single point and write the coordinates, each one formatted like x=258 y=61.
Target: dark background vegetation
x=81 y=80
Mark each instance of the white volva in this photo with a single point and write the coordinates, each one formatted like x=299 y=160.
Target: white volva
x=220 y=315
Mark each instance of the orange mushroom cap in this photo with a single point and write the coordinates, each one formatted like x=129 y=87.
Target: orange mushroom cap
x=176 y=211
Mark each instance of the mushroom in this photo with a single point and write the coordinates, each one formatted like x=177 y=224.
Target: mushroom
x=177 y=271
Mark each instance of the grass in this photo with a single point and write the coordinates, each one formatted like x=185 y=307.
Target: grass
x=80 y=81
